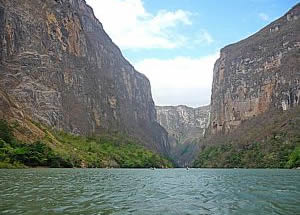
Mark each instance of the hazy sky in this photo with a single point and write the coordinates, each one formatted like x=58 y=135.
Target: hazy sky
x=176 y=42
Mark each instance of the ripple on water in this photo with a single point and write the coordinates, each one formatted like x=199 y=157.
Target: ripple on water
x=143 y=191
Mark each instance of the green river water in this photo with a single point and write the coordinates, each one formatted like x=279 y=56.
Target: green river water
x=146 y=191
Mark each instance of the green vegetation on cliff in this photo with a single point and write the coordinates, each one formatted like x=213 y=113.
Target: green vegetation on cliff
x=60 y=149
x=268 y=141
x=276 y=152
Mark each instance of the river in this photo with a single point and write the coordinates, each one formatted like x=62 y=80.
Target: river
x=146 y=191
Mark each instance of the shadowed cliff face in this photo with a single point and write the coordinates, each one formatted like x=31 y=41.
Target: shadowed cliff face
x=185 y=126
x=59 y=67
x=258 y=74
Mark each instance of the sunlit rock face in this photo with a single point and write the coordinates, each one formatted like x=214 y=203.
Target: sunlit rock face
x=258 y=74
x=58 y=66
x=185 y=126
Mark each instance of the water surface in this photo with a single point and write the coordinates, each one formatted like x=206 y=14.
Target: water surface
x=145 y=191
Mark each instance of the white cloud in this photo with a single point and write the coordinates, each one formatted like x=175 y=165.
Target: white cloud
x=132 y=27
x=203 y=37
x=192 y=97
x=264 y=16
x=180 y=80
x=179 y=77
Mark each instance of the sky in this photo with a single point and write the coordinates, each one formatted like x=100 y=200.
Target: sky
x=175 y=43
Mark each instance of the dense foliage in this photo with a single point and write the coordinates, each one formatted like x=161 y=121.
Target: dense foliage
x=59 y=149
x=271 y=140
x=109 y=151
x=273 y=153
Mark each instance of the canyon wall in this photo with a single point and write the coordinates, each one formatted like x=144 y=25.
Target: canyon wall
x=183 y=123
x=59 y=67
x=185 y=126
x=258 y=74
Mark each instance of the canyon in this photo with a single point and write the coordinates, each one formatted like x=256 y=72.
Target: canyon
x=60 y=70
x=186 y=126
x=255 y=98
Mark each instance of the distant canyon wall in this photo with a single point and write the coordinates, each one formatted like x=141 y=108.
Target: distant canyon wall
x=186 y=126
x=183 y=123
x=59 y=67
x=258 y=74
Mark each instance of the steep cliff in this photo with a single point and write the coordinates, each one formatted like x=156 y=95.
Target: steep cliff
x=255 y=101
x=185 y=126
x=59 y=67
x=258 y=74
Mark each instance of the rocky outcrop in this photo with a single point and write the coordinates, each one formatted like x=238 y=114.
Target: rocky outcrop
x=258 y=74
x=185 y=126
x=59 y=67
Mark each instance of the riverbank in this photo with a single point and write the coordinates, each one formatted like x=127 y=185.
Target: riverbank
x=59 y=149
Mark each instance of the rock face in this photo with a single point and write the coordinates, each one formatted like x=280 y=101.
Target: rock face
x=258 y=74
x=185 y=126
x=58 y=66
x=182 y=122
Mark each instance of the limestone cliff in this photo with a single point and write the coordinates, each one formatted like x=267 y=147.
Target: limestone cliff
x=59 y=67
x=185 y=126
x=258 y=74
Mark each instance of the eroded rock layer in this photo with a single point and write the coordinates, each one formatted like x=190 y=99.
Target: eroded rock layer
x=58 y=66
x=258 y=74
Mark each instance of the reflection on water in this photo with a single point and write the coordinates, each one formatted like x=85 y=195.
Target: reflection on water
x=144 y=191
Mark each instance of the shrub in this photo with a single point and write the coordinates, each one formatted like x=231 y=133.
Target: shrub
x=6 y=132
x=294 y=159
